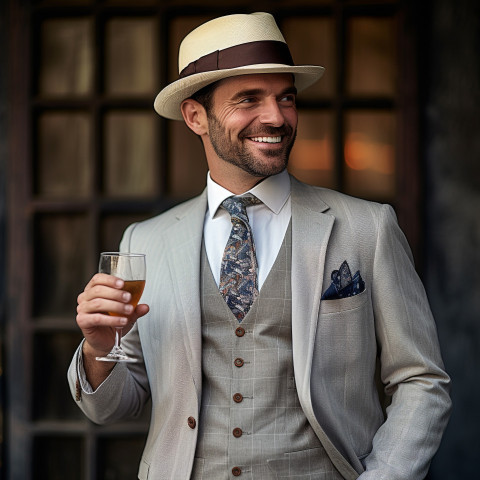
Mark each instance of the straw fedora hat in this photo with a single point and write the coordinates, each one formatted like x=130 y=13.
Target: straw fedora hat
x=226 y=47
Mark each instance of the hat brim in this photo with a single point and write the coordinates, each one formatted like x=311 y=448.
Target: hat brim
x=168 y=101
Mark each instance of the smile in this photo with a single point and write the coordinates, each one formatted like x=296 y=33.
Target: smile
x=267 y=139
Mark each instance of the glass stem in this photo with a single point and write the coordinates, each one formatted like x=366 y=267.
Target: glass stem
x=118 y=336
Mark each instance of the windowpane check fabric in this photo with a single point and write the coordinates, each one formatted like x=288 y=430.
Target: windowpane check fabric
x=238 y=272
x=251 y=418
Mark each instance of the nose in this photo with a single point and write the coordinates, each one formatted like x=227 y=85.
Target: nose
x=271 y=114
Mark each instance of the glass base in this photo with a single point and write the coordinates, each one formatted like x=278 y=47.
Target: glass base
x=116 y=355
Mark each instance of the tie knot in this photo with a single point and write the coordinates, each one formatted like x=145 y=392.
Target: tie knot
x=237 y=206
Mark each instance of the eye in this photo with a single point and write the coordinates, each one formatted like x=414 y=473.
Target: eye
x=247 y=100
x=290 y=98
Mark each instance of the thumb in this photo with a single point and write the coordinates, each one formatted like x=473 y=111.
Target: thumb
x=140 y=310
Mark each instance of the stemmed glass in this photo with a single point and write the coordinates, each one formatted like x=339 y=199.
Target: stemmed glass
x=131 y=268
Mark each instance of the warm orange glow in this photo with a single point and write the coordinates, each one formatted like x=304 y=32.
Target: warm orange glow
x=362 y=153
x=312 y=161
x=311 y=154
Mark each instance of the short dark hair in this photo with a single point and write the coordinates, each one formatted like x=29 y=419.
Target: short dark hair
x=205 y=96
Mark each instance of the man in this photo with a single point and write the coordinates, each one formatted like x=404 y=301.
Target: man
x=266 y=320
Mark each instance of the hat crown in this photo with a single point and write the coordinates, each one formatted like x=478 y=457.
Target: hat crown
x=242 y=44
x=226 y=32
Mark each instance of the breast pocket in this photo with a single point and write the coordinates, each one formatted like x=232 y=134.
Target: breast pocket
x=344 y=342
x=343 y=304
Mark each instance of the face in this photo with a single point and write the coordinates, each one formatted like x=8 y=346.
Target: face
x=252 y=124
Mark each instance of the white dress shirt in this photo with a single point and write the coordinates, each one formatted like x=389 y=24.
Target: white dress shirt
x=269 y=222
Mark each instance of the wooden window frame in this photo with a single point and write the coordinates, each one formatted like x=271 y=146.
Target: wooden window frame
x=19 y=430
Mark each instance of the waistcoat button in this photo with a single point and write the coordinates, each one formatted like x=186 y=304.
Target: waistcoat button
x=192 y=423
x=240 y=332
x=238 y=362
x=237 y=432
x=237 y=397
x=236 y=471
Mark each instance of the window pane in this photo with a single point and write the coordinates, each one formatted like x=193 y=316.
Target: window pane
x=187 y=163
x=112 y=229
x=371 y=56
x=119 y=458
x=312 y=157
x=57 y=458
x=370 y=155
x=66 y=62
x=131 y=57
x=312 y=42
x=60 y=244
x=64 y=155
x=53 y=353
x=131 y=160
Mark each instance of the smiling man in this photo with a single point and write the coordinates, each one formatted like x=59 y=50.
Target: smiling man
x=249 y=129
x=271 y=307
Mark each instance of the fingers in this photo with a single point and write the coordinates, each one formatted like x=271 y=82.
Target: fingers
x=103 y=286
x=103 y=303
x=92 y=321
x=102 y=306
x=104 y=279
x=111 y=302
x=141 y=310
x=99 y=285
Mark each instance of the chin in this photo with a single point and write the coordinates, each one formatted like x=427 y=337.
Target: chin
x=266 y=170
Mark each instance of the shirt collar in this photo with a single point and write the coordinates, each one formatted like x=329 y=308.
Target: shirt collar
x=273 y=192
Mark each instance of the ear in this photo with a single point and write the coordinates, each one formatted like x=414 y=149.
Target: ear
x=195 y=116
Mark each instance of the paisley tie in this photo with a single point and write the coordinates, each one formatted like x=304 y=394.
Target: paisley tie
x=238 y=273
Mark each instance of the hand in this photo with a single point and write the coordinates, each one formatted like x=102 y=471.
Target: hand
x=104 y=294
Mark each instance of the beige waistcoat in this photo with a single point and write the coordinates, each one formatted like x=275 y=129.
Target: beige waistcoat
x=251 y=421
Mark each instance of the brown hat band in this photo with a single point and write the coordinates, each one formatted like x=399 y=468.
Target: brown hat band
x=252 y=53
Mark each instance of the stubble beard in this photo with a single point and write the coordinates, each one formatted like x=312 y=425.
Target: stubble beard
x=239 y=154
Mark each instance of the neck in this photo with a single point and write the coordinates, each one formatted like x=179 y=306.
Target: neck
x=227 y=175
x=237 y=184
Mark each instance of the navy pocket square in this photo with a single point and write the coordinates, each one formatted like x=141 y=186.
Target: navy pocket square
x=343 y=284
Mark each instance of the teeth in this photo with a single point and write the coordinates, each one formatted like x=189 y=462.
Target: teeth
x=267 y=139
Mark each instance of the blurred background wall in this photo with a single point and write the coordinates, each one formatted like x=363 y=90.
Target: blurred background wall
x=3 y=162
x=82 y=154
x=451 y=159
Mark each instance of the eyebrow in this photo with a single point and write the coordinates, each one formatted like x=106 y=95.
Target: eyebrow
x=258 y=91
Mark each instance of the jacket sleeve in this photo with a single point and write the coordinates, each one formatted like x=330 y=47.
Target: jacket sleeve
x=122 y=394
x=411 y=365
x=125 y=391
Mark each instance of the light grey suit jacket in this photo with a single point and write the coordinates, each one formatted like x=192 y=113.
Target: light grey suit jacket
x=338 y=345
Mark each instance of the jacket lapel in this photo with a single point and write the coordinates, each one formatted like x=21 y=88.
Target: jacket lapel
x=311 y=229
x=184 y=242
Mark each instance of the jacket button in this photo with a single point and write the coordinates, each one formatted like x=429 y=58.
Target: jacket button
x=237 y=397
x=240 y=332
x=237 y=432
x=236 y=471
x=192 y=423
x=239 y=362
